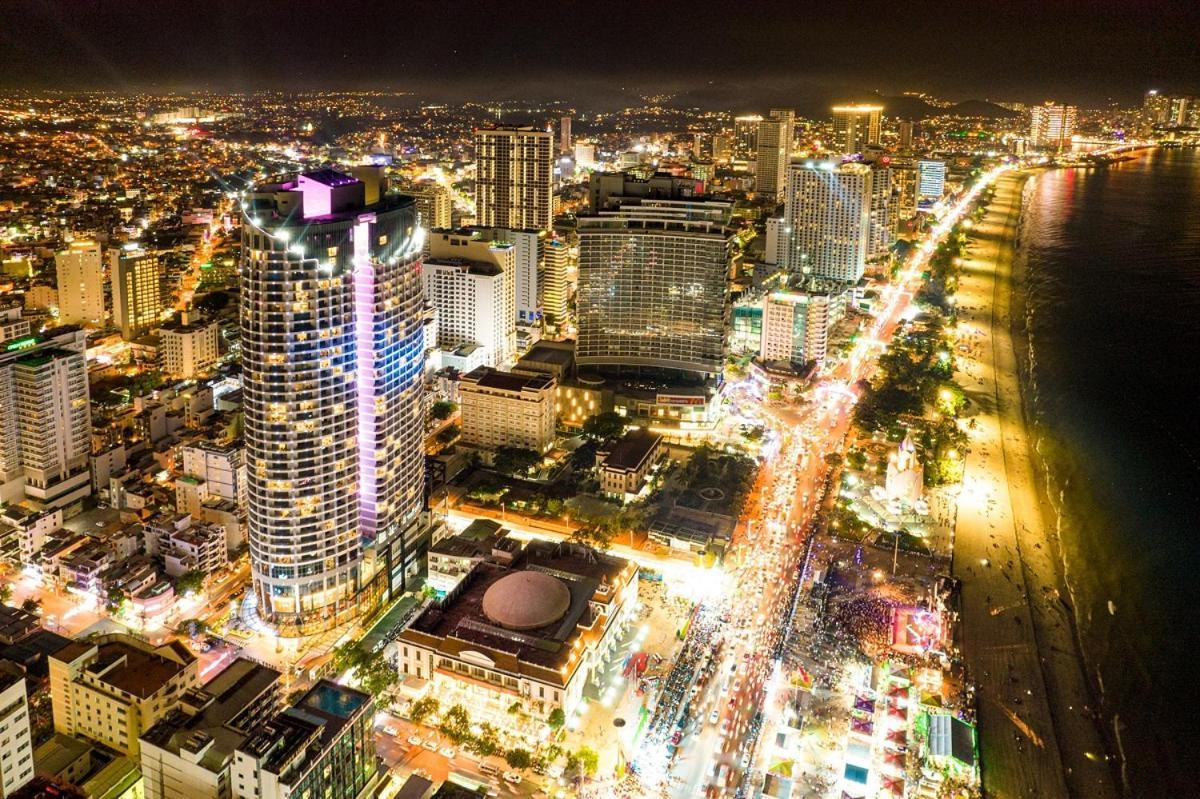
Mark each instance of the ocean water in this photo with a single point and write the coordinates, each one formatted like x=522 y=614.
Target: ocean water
x=1112 y=312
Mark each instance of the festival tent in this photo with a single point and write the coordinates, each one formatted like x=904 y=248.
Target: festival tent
x=951 y=738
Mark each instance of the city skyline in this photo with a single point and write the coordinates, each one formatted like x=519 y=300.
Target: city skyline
x=599 y=401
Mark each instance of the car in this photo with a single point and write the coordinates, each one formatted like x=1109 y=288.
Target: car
x=513 y=777
x=414 y=740
x=714 y=717
x=390 y=730
x=99 y=524
x=448 y=752
x=431 y=745
x=724 y=728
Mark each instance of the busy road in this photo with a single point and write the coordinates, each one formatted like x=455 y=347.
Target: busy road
x=706 y=721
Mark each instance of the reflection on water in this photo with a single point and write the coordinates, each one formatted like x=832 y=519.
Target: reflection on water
x=1113 y=293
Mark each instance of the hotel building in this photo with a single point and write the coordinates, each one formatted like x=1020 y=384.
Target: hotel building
x=332 y=353
x=137 y=290
x=514 y=178
x=653 y=285
x=45 y=419
x=80 y=272
x=856 y=127
x=827 y=217
x=469 y=280
x=503 y=409
x=774 y=152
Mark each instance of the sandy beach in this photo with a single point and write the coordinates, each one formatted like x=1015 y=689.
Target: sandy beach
x=1038 y=735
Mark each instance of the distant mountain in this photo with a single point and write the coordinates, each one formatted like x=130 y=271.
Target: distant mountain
x=906 y=107
x=981 y=108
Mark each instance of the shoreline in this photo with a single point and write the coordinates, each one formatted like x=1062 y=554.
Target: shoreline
x=1019 y=639
x=1052 y=510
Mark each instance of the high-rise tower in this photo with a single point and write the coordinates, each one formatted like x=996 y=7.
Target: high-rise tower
x=137 y=290
x=856 y=127
x=332 y=350
x=514 y=177
x=745 y=136
x=774 y=153
x=827 y=219
x=1051 y=125
x=80 y=284
x=653 y=285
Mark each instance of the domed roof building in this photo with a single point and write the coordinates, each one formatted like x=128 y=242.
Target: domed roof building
x=526 y=600
x=534 y=626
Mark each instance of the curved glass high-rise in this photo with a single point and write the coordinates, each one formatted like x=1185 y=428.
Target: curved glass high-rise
x=331 y=356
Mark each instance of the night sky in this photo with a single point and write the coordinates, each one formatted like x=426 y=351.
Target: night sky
x=722 y=54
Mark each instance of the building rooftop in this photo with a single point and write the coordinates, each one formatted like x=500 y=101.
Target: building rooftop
x=526 y=600
x=330 y=177
x=632 y=450
x=545 y=353
x=482 y=268
x=312 y=723
x=486 y=377
x=123 y=664
x=16 y=624
x=536 y=604
x=479 y=539
x=211 y=731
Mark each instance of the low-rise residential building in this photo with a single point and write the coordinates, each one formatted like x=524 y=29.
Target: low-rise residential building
x=503 y=409
x=189 y=754
x=625 y=465
x=112 y=688
x=221 y=467
x=200 y=547
x=27 y=529
x=323 y=746
x=453 y=557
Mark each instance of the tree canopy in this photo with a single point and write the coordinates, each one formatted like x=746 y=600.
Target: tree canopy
x=603 y=426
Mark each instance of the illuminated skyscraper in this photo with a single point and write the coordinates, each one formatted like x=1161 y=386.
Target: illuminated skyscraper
x=827 y=219
x=556 y=283
x=883 y=216
x=745 y=137
x=332 y=351
x=45 y=419
x=80 y=284
x=653 y=285
x=1051 y=125
x=514 y=176
x=856 y=127
x=137 y=290
x=774 y=152
x=433 y=203
x=931 y=179
x=565 y=142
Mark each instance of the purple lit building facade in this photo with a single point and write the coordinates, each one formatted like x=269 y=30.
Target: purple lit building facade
x=332 y=351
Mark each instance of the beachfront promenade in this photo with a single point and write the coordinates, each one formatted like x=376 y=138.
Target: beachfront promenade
x=1037 y=735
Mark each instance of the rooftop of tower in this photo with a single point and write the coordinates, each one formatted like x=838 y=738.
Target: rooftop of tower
x=320 y=196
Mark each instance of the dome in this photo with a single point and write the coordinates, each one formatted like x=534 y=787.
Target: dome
x=526 y=600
